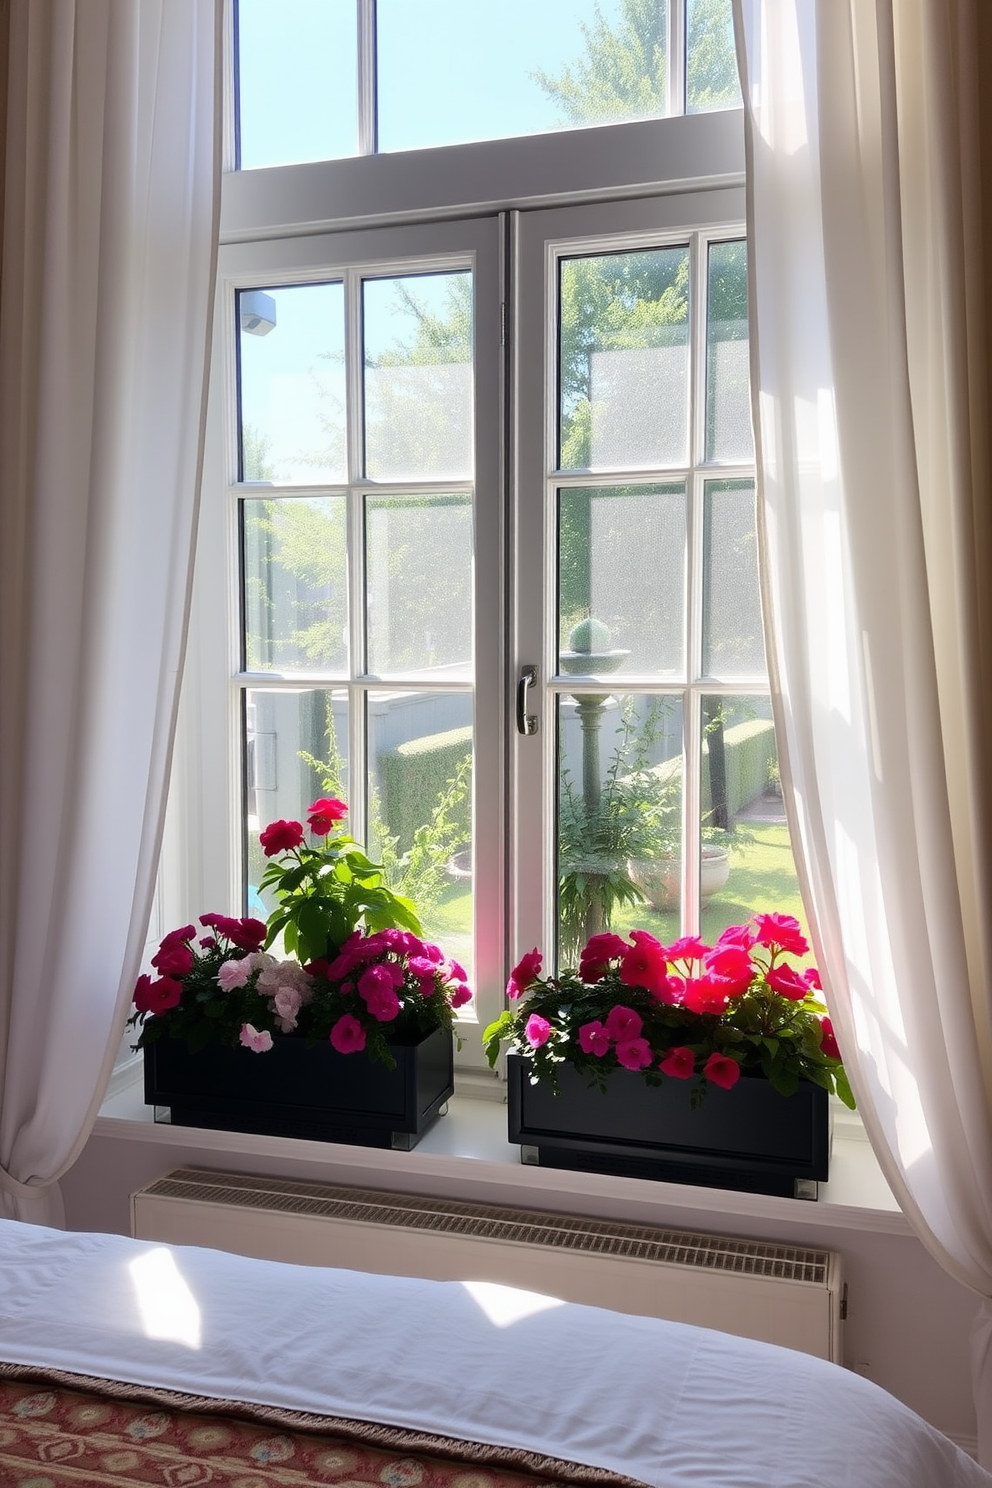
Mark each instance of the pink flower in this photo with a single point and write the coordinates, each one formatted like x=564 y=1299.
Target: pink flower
x=286 y=1004
x=623 y=1023
x=597 y=954
x=459 y=994
x=679 y=1063
x=722 y=1070
x=383 y=1005
x=787 y=982
x=781 y=930
x=634 y=1054
x=157 y=997
x=348 y=1035
x=234 y=974
x=322 y=815
x=538 y=1030
x=174 y=960
x=644 y=964
x=527 y=970
x=594 y=1039
x=812 y=979
x=739 y=935
x=386 y=976
x=828 y=1043
x=259 y=1043
x=280 y=836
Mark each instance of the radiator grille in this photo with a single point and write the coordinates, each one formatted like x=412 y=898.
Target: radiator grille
x=483 y=1221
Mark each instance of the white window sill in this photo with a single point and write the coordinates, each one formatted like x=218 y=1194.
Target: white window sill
x=466 y=1155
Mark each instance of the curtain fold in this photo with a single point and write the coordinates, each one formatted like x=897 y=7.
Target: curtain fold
x=870 y=401
x=110 y=229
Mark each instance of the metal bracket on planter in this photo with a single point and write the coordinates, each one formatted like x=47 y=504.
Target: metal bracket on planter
x=531 y=1156
x=806 y=1188
x=402 y=1141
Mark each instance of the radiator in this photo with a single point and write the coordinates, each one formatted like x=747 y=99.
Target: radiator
x=783 y=1294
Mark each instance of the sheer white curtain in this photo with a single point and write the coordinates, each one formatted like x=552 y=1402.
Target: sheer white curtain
x=868 y=369
x=110 y=225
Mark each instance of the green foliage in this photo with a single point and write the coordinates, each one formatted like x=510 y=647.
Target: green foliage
x=624 y=73
x=712 y=80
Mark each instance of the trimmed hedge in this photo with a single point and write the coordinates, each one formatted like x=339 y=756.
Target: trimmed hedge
x=748 y=750
x=414 y=774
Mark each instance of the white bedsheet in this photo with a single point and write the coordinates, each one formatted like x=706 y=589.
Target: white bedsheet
x=665 y=1403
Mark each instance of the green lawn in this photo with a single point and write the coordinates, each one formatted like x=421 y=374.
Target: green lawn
x=762 y=878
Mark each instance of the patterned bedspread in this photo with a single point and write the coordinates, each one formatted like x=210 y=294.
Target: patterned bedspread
x=54 y=1435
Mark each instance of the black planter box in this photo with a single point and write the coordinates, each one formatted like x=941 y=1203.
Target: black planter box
x=298 y=1091
x=748 y=1138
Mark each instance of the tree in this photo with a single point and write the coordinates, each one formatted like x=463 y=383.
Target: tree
x=624 y=73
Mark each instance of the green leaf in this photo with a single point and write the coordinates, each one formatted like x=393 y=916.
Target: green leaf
x=843 y=1088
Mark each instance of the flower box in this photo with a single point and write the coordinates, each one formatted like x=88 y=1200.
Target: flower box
x=301 y=1090
x=749 y=1138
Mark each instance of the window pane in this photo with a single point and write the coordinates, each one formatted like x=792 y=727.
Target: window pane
x=711 y=77
x=297 y=81
x=296 y=750
x=619 y=817
x=296 y=600
x=733 y=642
x=621 y=579
x=728 y=402
x=292 y=415
x=418 y=377
x=419 y=584
x=451 y=71
x=747 y=865
x=624 y=360
x=420 y=808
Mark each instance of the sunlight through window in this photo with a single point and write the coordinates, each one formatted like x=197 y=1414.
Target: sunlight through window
x=168 y=1308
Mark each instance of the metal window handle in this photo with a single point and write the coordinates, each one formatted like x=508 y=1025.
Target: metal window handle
x=527 y=723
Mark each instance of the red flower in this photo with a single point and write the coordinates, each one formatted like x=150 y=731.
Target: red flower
x=526 y=971
x=679 y=1063
x=348 y=1035
x=689 y=948
x=177 y=937
x=733 y=965
x=157 y=997
x=739 y=935
x=781 y=930
x=280 y=836
x=707 y=994
x=787 y=982
x=459 y=994
x=599 y=951
x=644 y=964
x=323 y=814
x=247 y=934
x=828 y=1043
x=722 y=1070
x=173 y=960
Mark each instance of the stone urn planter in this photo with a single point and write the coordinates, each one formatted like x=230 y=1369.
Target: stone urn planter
x=659 y=879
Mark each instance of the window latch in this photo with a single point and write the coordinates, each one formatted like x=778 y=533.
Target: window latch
x=527 y=723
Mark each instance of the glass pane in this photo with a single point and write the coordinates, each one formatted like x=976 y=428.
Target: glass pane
x=619 y=817
x=419 y=584
x=728 y=401
x=296 y=599
x=292 y=384
x=621 y=579
x=624 y=360
x=733 y=642
x=297 y=81
x=418 y=377
x=296 y=750
x=747 y=864
x=420 y=808
x=711 y=77
x=451 y=71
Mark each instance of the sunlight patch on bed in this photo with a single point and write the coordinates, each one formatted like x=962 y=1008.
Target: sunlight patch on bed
x=168 y=1308
x=505 y=1305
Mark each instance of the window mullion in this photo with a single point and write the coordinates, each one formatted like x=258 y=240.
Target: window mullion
x=676 y=56
x=368 y=112
x=357 y=660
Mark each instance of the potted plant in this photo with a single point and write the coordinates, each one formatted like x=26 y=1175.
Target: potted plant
x=687 y=1062
x=348 y=1037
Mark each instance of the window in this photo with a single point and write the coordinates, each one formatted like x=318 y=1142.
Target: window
x=465 y=427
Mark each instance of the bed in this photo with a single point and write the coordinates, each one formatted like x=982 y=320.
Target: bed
x=113 y=1347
